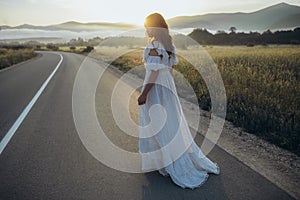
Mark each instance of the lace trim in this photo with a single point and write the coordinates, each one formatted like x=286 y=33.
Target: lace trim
x=192 y=188
x=204 y=181
x=218 y=168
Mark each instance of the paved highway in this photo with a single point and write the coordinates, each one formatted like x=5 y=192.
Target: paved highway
x=45 y=158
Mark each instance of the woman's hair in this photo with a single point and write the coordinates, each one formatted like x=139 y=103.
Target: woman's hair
x=158 y=29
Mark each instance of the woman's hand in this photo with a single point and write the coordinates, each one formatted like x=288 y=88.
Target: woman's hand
x=151 y=80
x=142 y=99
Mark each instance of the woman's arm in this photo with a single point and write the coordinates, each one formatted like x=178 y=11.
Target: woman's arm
x=151 y=81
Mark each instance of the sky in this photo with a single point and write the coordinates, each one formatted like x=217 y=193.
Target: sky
x=46 y=12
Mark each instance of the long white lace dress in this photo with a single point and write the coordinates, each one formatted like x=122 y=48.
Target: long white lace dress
x=166 y=143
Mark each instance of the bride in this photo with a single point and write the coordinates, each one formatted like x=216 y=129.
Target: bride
x=166 y=143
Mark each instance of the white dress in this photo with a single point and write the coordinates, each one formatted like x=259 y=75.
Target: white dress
x=181 y=159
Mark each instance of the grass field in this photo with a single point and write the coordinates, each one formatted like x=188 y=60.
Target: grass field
x=10 y=57
x=262 y=85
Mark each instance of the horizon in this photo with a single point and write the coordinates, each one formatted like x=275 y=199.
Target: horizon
x=184 y=9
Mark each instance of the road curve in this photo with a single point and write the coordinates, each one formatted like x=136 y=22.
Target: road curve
x=45 y=159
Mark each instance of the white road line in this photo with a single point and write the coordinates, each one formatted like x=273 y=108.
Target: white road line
x=22 y=116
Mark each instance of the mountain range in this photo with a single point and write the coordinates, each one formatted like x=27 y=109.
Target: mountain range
x=279 y=16
x=276 y=17
x=75 y=26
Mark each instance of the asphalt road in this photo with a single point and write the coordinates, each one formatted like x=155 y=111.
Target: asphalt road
x=45 y=158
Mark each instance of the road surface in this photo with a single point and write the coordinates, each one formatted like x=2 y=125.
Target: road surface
x=45 y=158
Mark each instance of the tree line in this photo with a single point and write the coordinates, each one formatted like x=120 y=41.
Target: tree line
x=201 y=36
x=204 y=37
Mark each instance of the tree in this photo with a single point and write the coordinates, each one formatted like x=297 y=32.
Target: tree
x=232 y=29
x=220 y=32
x=268 y=32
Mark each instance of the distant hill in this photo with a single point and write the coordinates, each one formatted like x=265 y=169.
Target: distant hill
x=276 y=17
x=74 y=26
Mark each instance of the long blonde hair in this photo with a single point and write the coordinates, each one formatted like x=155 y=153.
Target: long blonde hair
x=158 y=29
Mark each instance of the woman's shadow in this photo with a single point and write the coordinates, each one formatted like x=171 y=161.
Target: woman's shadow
x=162 y=187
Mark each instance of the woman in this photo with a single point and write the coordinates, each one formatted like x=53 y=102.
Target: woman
x=166 y=143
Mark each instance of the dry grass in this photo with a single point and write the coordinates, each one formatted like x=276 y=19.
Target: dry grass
x=261 y=82
x=10 y=57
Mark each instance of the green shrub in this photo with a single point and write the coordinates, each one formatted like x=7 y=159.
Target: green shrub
x=52 y=47
x=88 y=49
x=72 y=48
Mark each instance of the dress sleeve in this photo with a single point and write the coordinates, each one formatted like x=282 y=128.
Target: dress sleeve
x=155 y=62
